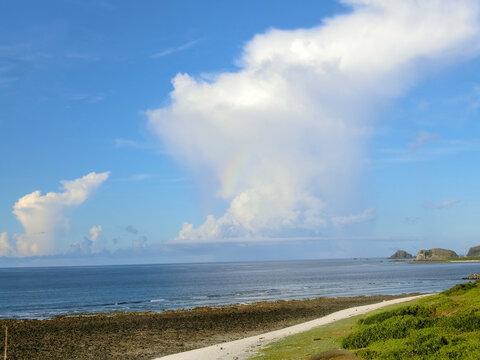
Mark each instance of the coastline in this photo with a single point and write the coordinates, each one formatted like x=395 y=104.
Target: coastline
x=153 y=335
x=244 y=348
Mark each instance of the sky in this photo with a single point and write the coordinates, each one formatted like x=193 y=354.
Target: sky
x=193 y=131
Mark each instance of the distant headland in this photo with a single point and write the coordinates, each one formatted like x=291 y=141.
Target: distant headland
x=438 y=255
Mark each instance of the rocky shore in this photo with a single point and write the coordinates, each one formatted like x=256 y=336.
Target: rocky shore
x=136 y=336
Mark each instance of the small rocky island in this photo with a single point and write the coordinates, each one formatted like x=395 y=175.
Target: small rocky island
x=436 y=254
x=474 y=251
x=401 y=254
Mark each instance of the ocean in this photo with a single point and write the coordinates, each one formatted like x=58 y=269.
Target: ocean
x=46 y=292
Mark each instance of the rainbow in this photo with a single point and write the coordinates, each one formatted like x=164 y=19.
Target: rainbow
x=231 y=173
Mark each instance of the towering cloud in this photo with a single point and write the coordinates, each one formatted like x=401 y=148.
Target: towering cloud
x=283 y=136
x=42 y=216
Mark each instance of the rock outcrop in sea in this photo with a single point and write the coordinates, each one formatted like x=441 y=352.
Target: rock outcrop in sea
x=474 y=251
x=435 y=254
x=401 y=254
x=474 y=276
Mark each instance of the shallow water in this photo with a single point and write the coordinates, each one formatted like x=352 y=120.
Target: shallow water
x=51 y=291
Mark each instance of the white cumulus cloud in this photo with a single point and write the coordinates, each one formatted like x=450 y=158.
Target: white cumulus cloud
x=84 y=247
x=5 y=246
x=42 y=216
x=283 y=136
x=94 y=232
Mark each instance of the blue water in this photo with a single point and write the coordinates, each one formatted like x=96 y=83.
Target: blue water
x=47 y=292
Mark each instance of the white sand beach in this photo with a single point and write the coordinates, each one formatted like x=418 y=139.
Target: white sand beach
x=244 y=348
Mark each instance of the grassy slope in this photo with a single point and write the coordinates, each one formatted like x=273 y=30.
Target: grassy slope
x=445 y=326
x=466 y=258
x=307 y=344
x=447 y=260
x=304 y=345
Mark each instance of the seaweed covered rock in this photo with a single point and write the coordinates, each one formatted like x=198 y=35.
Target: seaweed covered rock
x=401 y=254
x=435 y=254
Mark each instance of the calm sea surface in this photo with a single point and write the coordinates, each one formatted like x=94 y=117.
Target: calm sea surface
x=47 y=292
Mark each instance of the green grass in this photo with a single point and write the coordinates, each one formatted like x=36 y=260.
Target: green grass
x=465 y=258
x=446 y=260
x=304 y=345
x=440 y=327
x=445 y=326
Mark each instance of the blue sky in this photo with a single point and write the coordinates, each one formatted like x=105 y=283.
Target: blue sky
x=311 y=143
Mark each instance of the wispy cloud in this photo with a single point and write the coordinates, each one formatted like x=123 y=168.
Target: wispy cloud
x=140 y=177
x=131 y=229
x=140 y=242
x=96 y=4
x=277 y=240
x=129 y=143
x=422 y=138
x=173 y=50
x=342 y=221
x=134 y=178
x=7 y=81
x=15 y=58
x=4 y=67
x=419 y=152
x=411 y=220
x=35 y=57
x=475 y=99
x=27 y=52
x=83 y=56
x=442 y=205
x=88 y=98
x=156 y=178
x=470 y=98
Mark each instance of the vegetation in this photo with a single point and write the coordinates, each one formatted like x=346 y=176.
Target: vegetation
x=446 y=326
x=306 y=345
x=448 y=259
x=464 y=258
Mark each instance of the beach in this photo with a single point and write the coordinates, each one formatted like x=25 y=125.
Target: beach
x=243 y=349
x=152 y=335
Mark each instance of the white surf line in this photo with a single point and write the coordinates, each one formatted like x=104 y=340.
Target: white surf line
x=244 y=348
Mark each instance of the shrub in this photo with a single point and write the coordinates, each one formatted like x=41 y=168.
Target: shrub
x=426 y=342
x=415 y=310
x=460 y=289
x=447 y=327
x=367 y=354
x=396 y=327
x=468 y=349
x=463 y=322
